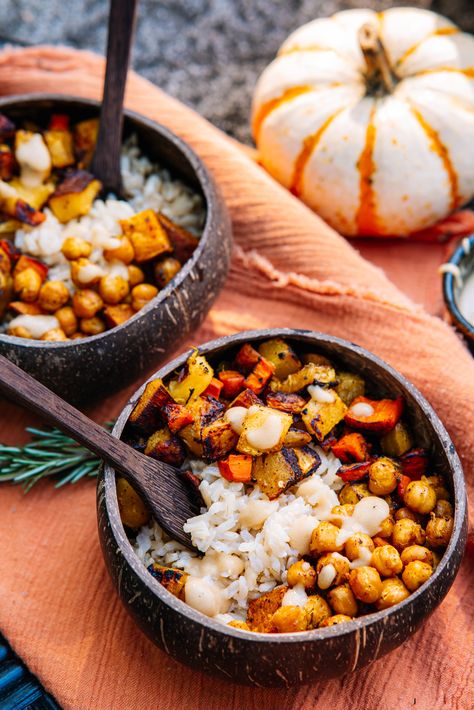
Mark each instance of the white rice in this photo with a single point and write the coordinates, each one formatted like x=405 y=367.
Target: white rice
x=244 y=563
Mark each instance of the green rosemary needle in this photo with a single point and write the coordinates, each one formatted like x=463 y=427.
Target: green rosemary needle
x=49 y=453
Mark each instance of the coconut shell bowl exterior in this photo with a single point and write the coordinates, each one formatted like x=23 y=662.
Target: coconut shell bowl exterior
x=463 y=259
x=284 y=659
x=79 y=370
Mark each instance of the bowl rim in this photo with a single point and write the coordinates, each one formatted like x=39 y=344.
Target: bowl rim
x=207 y=185
x=449 y=282
x=359 y=623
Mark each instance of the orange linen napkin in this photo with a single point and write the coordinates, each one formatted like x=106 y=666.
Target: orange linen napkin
x=57 y=605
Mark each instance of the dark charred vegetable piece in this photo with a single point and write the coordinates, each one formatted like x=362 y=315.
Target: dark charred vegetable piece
x=146 y=415
x=246 y=399
x=232 y=383
x=278 y=471
x=7 y=162
x=5 y=261
x=174 y=580
x=74 y=195
x=349 y=386
x=247 y=358
x=183 y=242
x=205 y=410
x=214 y=388
x=397 y=441
x=260 y=375
x=177 y=416
x=321 y=417
x=281 y=355
x=296 y=438
x=354 y=471
x=386 y=414
x=7 y=127
x=261 y=610
x=85 y=138
x=236 y=468
x=20 y=210
x=166 y=447
x=328 y=442
x=415 y=463
x=351 y=447
x=292 y=403
x=218 y=439
x=59 y=122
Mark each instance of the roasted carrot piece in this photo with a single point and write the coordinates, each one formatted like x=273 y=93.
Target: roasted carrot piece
x=59 y=122
x=385 y=414
x=260 y=375
x=214 y=388
x=414 y=463
x=247 y=357
x=237 y=468
x=177 y=416
x=354 y=471
x=351 y=447
x=232 y=383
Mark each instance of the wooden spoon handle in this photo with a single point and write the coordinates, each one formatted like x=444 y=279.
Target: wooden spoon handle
x=106 y=161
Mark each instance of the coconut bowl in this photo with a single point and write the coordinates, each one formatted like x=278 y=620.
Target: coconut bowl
x=79 y=370
x=284 y=659
x=463 y=260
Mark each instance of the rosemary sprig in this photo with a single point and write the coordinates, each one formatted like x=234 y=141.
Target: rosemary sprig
x=49 y=453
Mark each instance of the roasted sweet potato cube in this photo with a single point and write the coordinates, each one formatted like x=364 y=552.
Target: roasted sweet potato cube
x=232 y=382
x=286 y=402
x=321 y=417
x=281 y=355
x=262 y=372
x=7 y=162
x=247 y=358
x=415 y=463
x=350 y=448
x=279 y=470
x=264 y=430
x=183 y=242
x=177 y=416
x=60 y=146
x=85 y=138
x=148 y=237
x=218 y=439
x=261 y=610
x=36 y=196
x=246 y=399
x=308 y=375
x=166 y=447
x=193 y=379
x=116 y=315
x=147 y=413
x=349 y=386
x=354 y=471
x=381 y=416
x=296 y=438
x=74 y=196
x=174 y=580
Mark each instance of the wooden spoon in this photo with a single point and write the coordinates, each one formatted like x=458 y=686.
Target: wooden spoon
x=106 y=161
x=162 y=486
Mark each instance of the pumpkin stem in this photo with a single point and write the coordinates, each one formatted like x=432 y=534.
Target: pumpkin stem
x=380 y=77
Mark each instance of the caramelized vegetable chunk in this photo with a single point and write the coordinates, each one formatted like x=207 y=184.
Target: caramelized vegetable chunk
x=246 y=399
x=205 y=410
x=308 y=375
x=146 y=415
x=349 y=386
x=183 y=242
x=351 y=447
x=28 y=262
x=321 y=417
x=278 y=471
x=214 y=388
x=194 y=378
x=174 y=580
x=397 y=442
x=60 y=146
x=13 y=206
x=354 y=471
x=415 y=463
x=247 y=358
x=237 y=468
x=281 y=355
x=162 y=445
x=133 y=511
x=264 y=430
x=165 y=270
x=85 y=138
x=148 y=237
x=232 y=383
x=292 y=403
x=260 y=375
x=177 y=416
x=384 y=416
x=296 y=437
x=218 y=439
x=74 y=196
x=261 y=610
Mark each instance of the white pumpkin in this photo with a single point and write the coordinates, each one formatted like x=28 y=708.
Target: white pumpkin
x=369 y=119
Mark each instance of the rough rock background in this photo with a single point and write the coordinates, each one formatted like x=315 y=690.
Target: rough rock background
x=208 y=53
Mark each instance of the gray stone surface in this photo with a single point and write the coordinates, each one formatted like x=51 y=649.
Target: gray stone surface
x=208 y=53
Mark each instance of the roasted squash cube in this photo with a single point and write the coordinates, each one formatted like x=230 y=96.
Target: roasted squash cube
x=5 y=261
x=60 y=146
x=218 y=439
x=281 y=355
x=205 y=410
x=246 y=399
x=85 y=138
x=291 y=402
x=279 y=470
x=174 y=580
x=183 y=242
x=164 y=446
x=397 y=441
x=116 y=315
x=349 y=386
x=177 y=416
x=194 y=378
x=296 y=438
x=133 y=511
x=261 y=610
x=74 y=196
x=321 y=417
x=148 y=237
x=6 y=291
x=13 y=206
x=308 y=375
x=264 y=430
x=36 y=196
x=147 y=413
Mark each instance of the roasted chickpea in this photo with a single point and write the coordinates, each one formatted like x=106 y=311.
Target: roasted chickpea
x=67 y=320
x=341 y=511
x=77 y=336
x=342 y=600
x=74 y=248
x=92 y=326
x=85 y=274
x=86 y=303
x=352 y=493
x=317 y=610
x=239 y=625
x=416 y=552
x=415 y=574
x=336 y=619
x=324 y=539
x=379 y=541
x=27 y=284
x=166 y=269
x=359 y=545
x=406 y=532
x=406 y=513
x=337 y=572
x=383 y=476
x=54 y=335
x=366 y=584
x=53 y=295
x=142 y=294
x=443 y=509
x=386 y=561
x=113 y=289
x=124 y=252
x=393 y=592
x=420 y=497
x=289 y=619
x=20 y=332
x=386 y=527
x=135 y=275
x=302 y=572
x=438 y=531
x=439 y=485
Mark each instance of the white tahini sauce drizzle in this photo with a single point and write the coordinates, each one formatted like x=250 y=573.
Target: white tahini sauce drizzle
x=327 y=576
x=367 y=518
x=89 y=273
x=362 y=409
x=235 y=416
x=34 y=160
x=37 y=326
x=268 y=434
x=365 y=555
x=300 y=533
x=7 y=191
x=466 y=299
x=256 y=512
x=205 y=596
x=295 y=597
x=319 y=394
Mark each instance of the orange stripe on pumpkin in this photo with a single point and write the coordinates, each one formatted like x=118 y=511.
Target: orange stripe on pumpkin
x=469 y=71
x=440 y=149
x=366 y=218
x=443 y=31
x=309 y=146
x=269 y=106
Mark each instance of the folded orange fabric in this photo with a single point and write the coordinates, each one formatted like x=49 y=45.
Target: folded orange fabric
x=57 y=605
